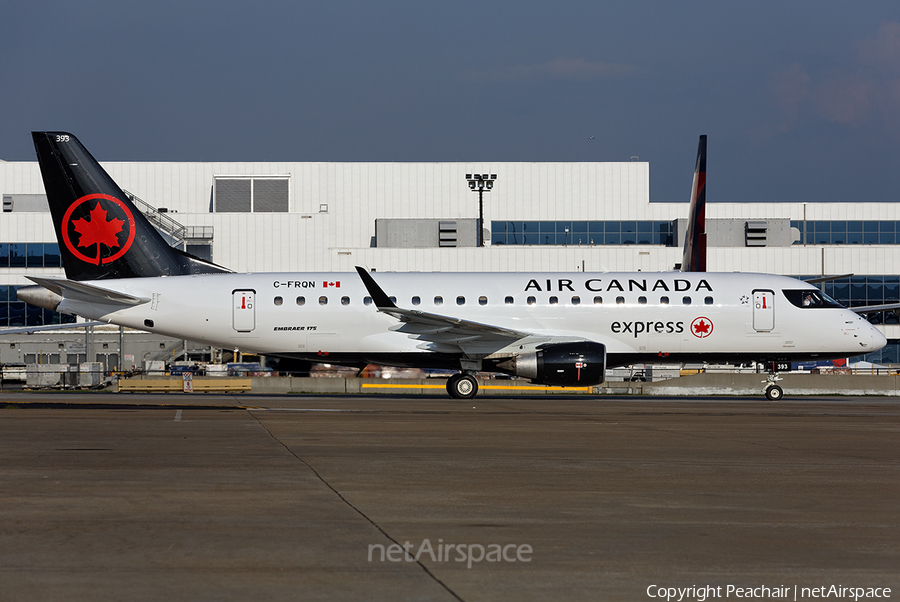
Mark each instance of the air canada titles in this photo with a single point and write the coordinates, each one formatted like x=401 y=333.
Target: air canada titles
x=597 y=285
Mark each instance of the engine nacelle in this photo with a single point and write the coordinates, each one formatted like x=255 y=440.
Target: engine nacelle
x=564 y=364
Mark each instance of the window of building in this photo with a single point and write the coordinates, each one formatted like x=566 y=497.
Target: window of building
x=251 y=194
x=582 y=233
x=853 y=232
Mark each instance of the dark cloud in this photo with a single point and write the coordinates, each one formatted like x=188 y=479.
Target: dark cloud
x=797 y=98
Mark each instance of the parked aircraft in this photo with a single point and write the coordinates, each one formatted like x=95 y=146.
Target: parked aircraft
x=552 y=328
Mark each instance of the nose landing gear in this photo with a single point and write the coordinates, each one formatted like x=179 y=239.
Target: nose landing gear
x=773 y=391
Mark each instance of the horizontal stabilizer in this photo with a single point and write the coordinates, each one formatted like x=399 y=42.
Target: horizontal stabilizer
x=31 y=329
x=89 y=293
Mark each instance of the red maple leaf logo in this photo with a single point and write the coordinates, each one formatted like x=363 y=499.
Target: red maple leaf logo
x=99 y=230
x=701 y=327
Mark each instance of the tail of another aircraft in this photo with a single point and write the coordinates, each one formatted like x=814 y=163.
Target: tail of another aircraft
x=694 y=258
x=101 y=233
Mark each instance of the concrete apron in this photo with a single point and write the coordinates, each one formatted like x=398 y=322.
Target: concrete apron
x=693 y=385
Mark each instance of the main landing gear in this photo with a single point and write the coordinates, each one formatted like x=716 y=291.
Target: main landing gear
x=462 y=386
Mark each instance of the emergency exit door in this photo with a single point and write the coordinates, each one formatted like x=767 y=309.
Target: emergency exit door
x=763 y=310
x=243 y=310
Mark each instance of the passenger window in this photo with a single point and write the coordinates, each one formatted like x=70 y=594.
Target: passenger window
x=620 y=300
x=278 y=301
x=482 y=300
x=323 y=300
x=438 y=300
x=598 y=300
x=393 y=299
x=576 y=300
x=531 y=301
x=416 y=300
x=460 y=300
x=345 y=300
x=663 y=300
x=686 y=300
x=708 y=301
x=553 y=300
x=508 y=301
x=301 y=300
x=642 y=300
x=367 y=301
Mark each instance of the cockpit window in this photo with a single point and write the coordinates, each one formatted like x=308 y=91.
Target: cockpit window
x=807 y=298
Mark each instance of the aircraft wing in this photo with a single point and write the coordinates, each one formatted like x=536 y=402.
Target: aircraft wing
x=90 y=293
x=825 y=278
x=443 y=333
x=870 y=309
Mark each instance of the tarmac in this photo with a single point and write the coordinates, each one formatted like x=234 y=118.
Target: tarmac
x=247 y=497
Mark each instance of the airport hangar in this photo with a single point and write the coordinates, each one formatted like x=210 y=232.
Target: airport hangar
x=316 y=217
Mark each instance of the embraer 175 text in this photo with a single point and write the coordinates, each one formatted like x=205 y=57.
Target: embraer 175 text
x=556 y=329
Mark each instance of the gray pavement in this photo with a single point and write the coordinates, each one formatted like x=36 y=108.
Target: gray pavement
x=178 y=497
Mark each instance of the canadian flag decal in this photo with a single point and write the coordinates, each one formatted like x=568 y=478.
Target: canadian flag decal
x=336 y=284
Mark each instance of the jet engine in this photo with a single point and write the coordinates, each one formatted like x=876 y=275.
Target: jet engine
x=563 y=364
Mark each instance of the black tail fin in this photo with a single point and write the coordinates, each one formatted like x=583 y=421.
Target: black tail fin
x=694 y=259
x=101 y=233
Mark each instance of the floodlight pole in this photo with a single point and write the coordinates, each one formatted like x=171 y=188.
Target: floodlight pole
x=481 y=183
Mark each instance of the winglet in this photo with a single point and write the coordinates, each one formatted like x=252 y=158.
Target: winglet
x=694 y=258
x=382 y=301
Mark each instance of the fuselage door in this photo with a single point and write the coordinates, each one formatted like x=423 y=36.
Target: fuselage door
x=243 y=310
x=763 y=310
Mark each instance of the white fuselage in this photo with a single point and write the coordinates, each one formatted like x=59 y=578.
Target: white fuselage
x=635 y=315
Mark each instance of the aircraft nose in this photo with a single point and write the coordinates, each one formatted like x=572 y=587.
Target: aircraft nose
x=878 y=340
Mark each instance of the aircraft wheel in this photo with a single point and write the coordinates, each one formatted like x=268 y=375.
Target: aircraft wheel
x=462 y=386
x=774 y=393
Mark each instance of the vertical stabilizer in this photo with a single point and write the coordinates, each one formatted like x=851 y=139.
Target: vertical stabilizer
x=101 y=233
x=694 y=258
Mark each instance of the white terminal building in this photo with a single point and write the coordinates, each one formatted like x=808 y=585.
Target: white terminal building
x=315 y=217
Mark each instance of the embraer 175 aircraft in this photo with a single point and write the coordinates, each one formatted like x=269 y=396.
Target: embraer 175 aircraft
x=556 y=329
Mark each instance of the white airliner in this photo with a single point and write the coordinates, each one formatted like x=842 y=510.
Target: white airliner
x=553 y=328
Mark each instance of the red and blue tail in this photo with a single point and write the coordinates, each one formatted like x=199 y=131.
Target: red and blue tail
x=694 y=258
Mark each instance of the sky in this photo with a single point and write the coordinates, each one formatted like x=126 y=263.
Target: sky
x=800 y=100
